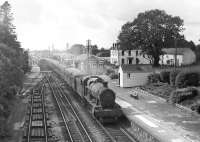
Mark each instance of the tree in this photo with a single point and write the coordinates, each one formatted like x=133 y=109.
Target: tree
x=151 y=31
x=9 y=37
x=77 y=49
x=7 y=29
x=26 y=66
x=12 y=60
x=94 y=49
x=198 y=53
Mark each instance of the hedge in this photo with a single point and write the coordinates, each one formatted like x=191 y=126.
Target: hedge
x=109 y=71
x=187 y=78
x=196 y=107
x=154 y=78
x=179 y=95
x=164 y=76
x=172 y=76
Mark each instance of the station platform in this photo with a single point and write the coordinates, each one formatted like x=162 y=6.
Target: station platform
x=153 y=119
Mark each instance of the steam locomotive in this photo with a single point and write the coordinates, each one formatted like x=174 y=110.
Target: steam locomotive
x=92 y=89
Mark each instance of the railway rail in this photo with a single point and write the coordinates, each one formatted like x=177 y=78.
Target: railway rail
x=80 y=125
x=74 y=126
x=36 y=126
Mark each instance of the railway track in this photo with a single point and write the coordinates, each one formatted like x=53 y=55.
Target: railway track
x=75 y=129
x=36 y=126
x=120 y=134
x=89 y=127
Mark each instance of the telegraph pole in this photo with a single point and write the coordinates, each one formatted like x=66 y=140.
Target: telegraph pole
x=88 y=43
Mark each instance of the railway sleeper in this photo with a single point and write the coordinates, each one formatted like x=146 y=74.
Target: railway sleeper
x=37 y=100
x=39 y=116
x=36 y=105
x=36 y=116
x=37 y=96
x=37 y=110
x=38 y=133
x=39 y=124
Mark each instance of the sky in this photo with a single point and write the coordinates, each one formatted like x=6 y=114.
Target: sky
x=45 y=23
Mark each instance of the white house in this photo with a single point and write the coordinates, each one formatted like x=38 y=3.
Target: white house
x=134 y=75
x=134 y=56
x=185 y=56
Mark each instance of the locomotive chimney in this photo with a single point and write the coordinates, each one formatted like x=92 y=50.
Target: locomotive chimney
x=105 y=84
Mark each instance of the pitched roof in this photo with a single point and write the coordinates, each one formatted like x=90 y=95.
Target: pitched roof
x=180 y=51
x=127 y=68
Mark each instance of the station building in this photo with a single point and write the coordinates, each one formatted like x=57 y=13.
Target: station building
x=134 y=75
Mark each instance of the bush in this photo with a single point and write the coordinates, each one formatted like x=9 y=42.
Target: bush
x=164 y=76
x=187 y=78
x=196 y=107
x=172 y=76
x=109 y=71
x=154 y=78
x=180 y=95
x=114 y=76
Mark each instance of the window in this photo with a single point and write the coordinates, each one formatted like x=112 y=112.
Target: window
x=122 y=61
x=129 y=52
x=136 y=52
x=130 y=60
x=137 y=61
x=122 y=53
x=128 y=75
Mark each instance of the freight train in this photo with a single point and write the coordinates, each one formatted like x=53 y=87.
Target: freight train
x=92 y=89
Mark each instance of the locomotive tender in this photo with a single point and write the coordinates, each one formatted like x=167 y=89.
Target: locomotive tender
x=92 y=89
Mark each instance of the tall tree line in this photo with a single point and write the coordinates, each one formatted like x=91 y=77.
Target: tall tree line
x=13 y=63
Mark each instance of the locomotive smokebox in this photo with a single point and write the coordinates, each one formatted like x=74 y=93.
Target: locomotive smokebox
x=105 y=95
x=107 y=98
